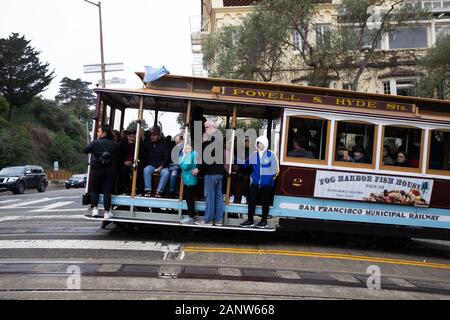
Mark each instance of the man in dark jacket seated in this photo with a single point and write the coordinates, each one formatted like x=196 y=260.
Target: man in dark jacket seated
x=155 y=160
x=126 y=155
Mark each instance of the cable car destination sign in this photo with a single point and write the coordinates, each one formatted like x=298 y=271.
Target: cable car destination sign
x=364 y=104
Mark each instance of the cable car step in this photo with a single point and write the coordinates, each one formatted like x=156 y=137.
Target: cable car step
x=173 y=220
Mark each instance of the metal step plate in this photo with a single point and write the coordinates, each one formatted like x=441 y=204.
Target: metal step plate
x=173 y=220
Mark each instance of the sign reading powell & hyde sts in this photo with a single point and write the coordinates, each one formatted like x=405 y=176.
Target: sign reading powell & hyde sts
x=319 y=99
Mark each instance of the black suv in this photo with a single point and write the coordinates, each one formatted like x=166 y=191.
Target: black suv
x=17 y=179
x=76 y=181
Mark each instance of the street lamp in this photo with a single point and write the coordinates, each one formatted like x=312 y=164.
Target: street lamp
x=102 y=58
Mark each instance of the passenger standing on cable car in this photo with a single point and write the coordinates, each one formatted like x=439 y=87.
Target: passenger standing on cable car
x=265 y=168
x=103 y=166
x=212 y=168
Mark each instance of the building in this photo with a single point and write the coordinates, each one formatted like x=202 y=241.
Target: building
x=392 y=72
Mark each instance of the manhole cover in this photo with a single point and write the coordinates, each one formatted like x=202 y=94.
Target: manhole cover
x=259 y=273
x=200 y=270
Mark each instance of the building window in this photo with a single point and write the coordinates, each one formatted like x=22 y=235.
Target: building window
x=297 y=41
x=442 y=30
x=404 y=38
x=399 y=87
x=347 y=86
x=402 y=146
x=404 y=87
x=322 y=32
x=355 y=142
x=307 y=138
x=386 y=87
x=439 y=150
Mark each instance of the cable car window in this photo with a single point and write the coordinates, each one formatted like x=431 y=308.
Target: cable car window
x=402 y=146
x=355 y=142
x=439 y=150
x=307 y=138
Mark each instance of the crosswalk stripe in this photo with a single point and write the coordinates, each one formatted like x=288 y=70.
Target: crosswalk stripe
x=53 y=206
x=41 y=217
x=92 y=245
x=9 y=201
x=22 y=204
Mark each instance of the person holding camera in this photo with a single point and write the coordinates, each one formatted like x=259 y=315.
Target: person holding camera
x=103 y=169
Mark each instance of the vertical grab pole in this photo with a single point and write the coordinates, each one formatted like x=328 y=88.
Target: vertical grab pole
x=136 y=153
x=186 y=135
x=230 y=166
x=95 y=125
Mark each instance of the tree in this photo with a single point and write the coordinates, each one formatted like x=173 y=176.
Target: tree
x=251 y=51
x=63 y=149
x=436 y=66
x=133 y=125
x=325 y=52
x=15 y=147
x=76 y=96
x=22 y=75
x=4 y=107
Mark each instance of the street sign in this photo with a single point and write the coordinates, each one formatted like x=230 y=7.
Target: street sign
x=114 y=80
x=97 y=68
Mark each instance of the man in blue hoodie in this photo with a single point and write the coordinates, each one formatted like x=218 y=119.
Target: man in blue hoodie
x=265 y=168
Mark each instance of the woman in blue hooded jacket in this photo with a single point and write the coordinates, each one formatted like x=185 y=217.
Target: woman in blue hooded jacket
x=265 y=168
x=188 y=162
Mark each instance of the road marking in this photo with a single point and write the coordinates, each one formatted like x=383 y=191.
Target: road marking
x=22 y=204
x=92 y=245
x=9 y=201
x=322 y=255
x=12 y=218
x=53 y=206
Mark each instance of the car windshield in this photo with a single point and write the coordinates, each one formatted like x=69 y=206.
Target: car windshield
x=12 y=170
x=79 y=176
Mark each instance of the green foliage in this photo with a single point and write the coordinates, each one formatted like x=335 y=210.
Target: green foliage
x=22 y=75
x=64 y=150
x=252 y=51
x=133 y=125
x=258 y=49
x=436 y=66
x=56 y=119
x=76 y=96
x=4 y=107
x=15 y=147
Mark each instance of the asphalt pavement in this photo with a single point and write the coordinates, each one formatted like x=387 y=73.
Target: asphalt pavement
x=48 y=250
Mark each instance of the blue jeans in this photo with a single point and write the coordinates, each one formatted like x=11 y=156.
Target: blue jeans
x=148 y=171
x=173 y=179
x=213 y=198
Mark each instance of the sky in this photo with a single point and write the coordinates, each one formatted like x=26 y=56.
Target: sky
x=136 y=32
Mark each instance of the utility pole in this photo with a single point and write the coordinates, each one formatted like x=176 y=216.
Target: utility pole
x=102 y=57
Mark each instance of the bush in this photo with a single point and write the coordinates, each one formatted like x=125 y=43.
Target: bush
x=16 y=147
x=4 y=107
x=64 y=150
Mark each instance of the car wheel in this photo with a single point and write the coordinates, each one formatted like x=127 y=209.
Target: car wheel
x=42 y=186
x=67 y=186
x=20 y=189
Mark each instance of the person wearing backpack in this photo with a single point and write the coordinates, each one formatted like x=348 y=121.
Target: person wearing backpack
x=103 y=169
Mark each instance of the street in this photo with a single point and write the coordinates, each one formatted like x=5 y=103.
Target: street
x=49 y=251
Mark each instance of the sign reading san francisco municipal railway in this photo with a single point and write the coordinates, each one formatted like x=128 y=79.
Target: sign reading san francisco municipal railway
x=373 y=188
x=363 y=104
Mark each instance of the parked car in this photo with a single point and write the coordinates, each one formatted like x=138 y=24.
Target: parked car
x=17 y=179
x=76 y=181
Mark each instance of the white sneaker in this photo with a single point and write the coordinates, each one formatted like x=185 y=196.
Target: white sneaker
x=108 y=215
x=187 y=220
x=94 y=212
x=244 y=200
x=232 y=199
